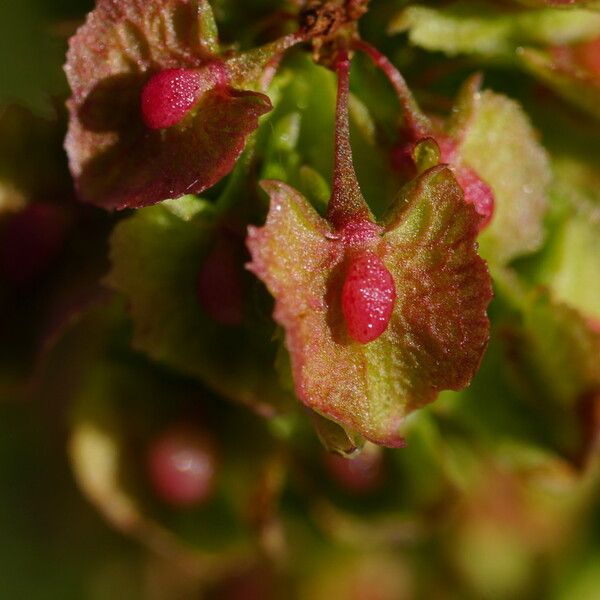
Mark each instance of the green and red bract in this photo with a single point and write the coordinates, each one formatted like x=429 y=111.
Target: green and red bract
x=156 y=112
x=431 y=292
x=494 y=153
x=419 y=129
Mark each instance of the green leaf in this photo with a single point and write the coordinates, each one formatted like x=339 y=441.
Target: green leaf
x=499 y=143
x=557 y=349
x=438 y=330
x=156 y=257
x=303 y=121
x=562 y=349
x=492 y=32
x=571 y=264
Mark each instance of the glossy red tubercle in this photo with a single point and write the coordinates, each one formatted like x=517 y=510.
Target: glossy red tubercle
x=368 y=297
x=169 y=95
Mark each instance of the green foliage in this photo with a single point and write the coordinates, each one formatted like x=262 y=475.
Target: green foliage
x=156 y=256
x=482 y=29
x=501 y=146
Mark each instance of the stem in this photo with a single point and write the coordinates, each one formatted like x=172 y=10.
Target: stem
x=418 y=123
x=347 y=202
x=250 y=66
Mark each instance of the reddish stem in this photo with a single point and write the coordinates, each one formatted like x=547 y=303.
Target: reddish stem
x=347 y=203
x=418 y=123
x=270 y=71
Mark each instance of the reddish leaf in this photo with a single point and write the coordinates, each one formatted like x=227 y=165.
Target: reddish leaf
x=120 y=67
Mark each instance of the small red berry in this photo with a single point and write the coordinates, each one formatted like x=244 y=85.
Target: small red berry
x=169 y=95
x=368 y=297
x=182 y=467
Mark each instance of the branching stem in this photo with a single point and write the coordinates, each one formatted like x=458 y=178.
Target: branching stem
x=418 y=123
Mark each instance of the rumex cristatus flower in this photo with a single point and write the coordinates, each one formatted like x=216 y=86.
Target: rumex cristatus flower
x=378 y=317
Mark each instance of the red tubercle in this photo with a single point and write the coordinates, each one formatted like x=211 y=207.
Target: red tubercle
x=220 y=282
x=368 y=293
x=368 y=297
x=169 y=95
x=477 y=193
x=182 y=466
